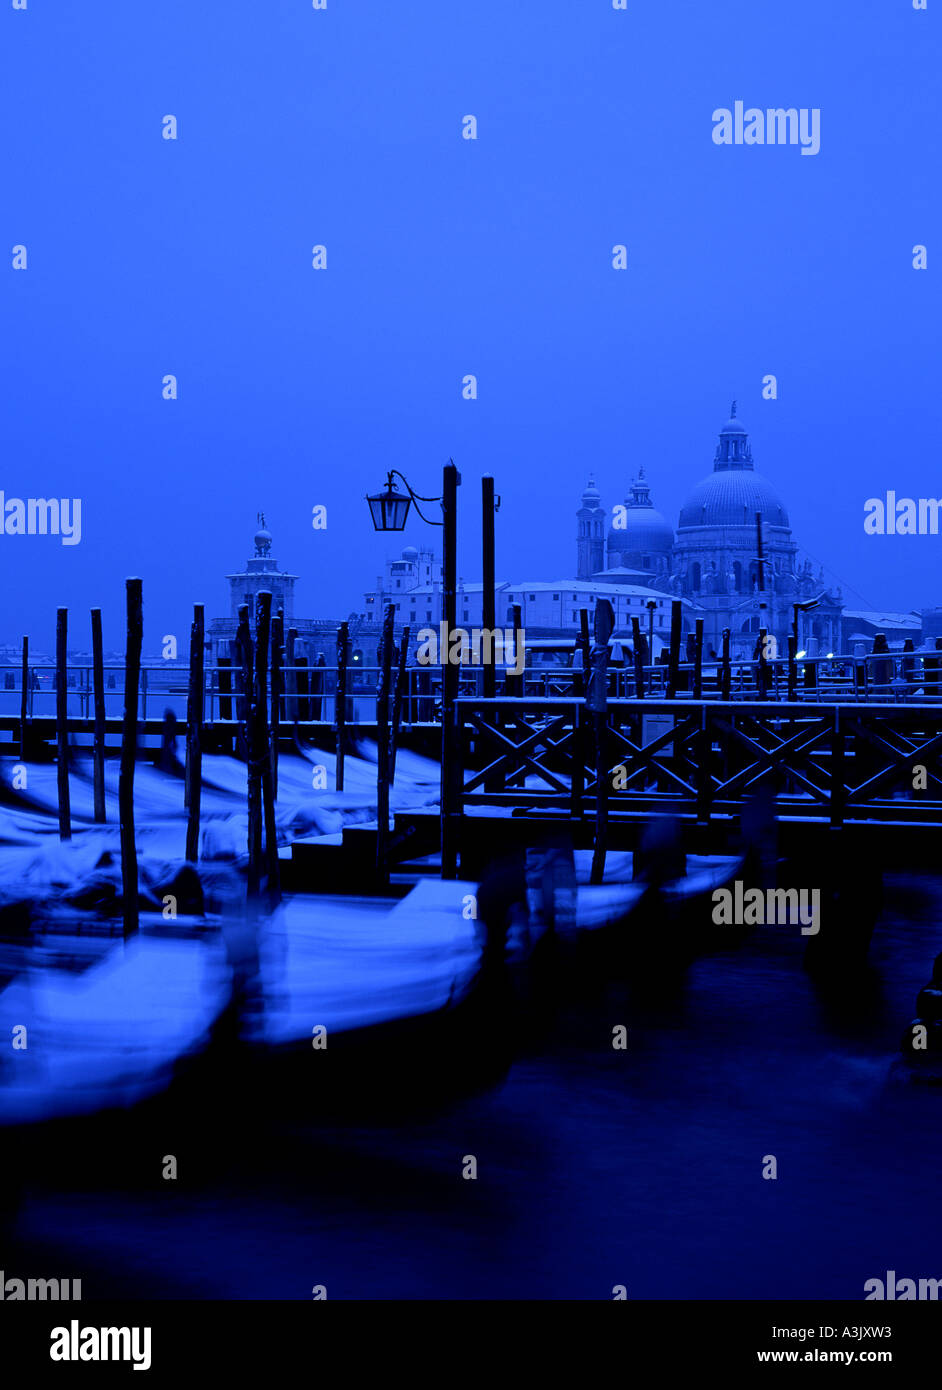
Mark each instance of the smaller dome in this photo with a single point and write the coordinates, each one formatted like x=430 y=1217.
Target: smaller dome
x=591 y=493
x=645 y=531
x=410 y=553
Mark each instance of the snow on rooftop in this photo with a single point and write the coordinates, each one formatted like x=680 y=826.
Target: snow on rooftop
x=879 y=619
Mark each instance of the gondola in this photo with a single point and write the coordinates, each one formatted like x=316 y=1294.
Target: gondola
x=387 y=1015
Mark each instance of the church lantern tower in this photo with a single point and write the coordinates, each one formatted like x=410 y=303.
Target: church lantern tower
x=590 y=539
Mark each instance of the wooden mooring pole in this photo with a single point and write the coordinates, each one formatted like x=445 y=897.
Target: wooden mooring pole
x=24 y=699
x=726 y=675
x=673 y=668
x=132 y=674
x=62 y=725
x=488 y=591
x=597 y=703
x=291 y=684
x=253 y=765
x=277 y=686
x=450 y=773
x=193 y=784
x=383 y=758
x=399 y=694
x=340 y=702
x=584 y=643
x=260 y=748
x=514 y=684
x=638 y=651
x=98 y=701
x=243 y=665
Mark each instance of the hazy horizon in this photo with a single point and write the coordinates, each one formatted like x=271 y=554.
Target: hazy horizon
x=448 y=257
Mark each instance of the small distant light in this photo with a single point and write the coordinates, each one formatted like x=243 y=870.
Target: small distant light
x=830 y=656
x=799 y=655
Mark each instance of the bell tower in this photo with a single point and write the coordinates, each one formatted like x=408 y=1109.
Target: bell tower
x=590 y=536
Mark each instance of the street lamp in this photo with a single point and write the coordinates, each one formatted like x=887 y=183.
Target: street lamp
x=797 y=610
x=651 y=605
x=388 y=510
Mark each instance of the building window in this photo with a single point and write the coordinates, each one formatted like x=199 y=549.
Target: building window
x=556 y=598
x=411 y=617
x=532 y=598
x=428 y=615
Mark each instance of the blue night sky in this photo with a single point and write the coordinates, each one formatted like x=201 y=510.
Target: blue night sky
x=448 y=257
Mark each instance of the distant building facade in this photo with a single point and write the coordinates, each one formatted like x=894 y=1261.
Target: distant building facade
x=862 y=625
x=548 y=608
x=633 y=556
x=262 y=572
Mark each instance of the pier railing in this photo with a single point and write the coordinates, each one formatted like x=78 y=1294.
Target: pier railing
x=309 y=691
x=828 y=762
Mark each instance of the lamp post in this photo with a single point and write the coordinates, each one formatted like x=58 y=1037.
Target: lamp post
x=389 y=510
x=489 y=505
x=801 y=608
x=651 y=605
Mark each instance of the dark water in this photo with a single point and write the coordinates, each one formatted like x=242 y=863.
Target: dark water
x=596 y=1167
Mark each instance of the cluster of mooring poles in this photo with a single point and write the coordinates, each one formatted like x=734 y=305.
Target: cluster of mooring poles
x=132 y=672
x=258 y=714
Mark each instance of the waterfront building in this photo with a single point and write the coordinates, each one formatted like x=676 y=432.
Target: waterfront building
x=261 y=572
x=713 y=561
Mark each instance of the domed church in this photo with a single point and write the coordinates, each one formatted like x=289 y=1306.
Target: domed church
x=713 y=560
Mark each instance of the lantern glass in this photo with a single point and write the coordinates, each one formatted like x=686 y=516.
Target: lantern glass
x=389 y=509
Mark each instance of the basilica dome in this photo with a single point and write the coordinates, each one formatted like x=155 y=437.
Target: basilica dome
x=732 y=499
x=733 y=493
